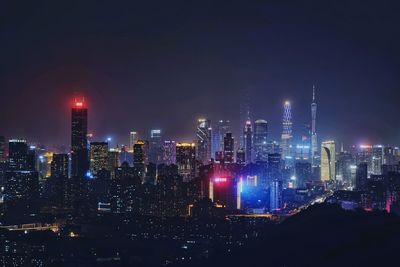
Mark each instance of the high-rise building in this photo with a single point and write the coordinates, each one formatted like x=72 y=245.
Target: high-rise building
x=186 y=160
x=133 y=137
x=79 y=143
x=260 y=140
x=303 y=173
x=169 y=152
x=113 y=161
x=219 y=131
x=155 y=149
x=229 y=148
x=361 y=176
x=344 y=164
x=328 y=161
x=98 y=157
x=314 y=140
x=377 y=159
x=204 y=140
x=275 y=203
x=240 y=156
x=139 y=152
x=18 y=155
x=286 y=138
x=21 y=185
x=248 y=142
x=3 y=156
x=274 y=166
x=225 y=192
x=59 y=165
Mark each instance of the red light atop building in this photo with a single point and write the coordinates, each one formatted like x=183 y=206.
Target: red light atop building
x=79 y=103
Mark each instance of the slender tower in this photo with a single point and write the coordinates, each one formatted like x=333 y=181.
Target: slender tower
x=286 y=137
x=314 y=142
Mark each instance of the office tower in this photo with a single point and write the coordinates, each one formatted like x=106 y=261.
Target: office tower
x=328 y=161
x=388 y=156
x=113 y=161
x=186 y=160
x=248 y=142
x=240 y=156
x=139 y=152
x=364 y=154
x=18 y=155
x=303 y=173
x=314 y=140
x=273 y=147
x=155 y=149
x=225 y=192
x=344 y=162
x=302 y=152
x=203 y=134
x=219 y=131
x=275 y=203
x=133 y=136
x=274 y=166
x=3 y=155
x=125 y=155
x=286 y=138
x=377 y=159
x=79 y=143
x=59 y=165
x=244 y=109
x=361 y=176
x=98 y=157
x=260 y=140
x=229 y=148
x=169 y=152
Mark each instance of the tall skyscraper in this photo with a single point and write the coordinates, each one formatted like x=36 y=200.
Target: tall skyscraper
x=248 y=142
x=139 y=152
x=169 y=152
x=155 y=150
x=186 y=160
x=133 y=136
x=204 y=140
x=59 y=165
x=18 y=155
x=286 y=138
x=328 y=161
x=275 y=195
x=377 y=159
x=218 y=132
x=260 y=140
x=79 y=143
x=98 y=157
x=3 y=156
x=361 y=176
x=229 y=148
x=314 y=139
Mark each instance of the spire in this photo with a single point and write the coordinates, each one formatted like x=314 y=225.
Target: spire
x=313 y=93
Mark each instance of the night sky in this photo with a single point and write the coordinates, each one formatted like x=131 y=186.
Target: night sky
x=161 y=64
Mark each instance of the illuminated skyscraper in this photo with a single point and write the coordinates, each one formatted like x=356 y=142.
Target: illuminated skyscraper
x=204 y=140
x=286 y=138
x=18 y=155
x=155 y=149
x=98 y=157
x=139 y=152
x=248 y=142
x=361 y=176
x=377 y=159
x=229 y=148
x=186 y=160
x=219 y=131
x=3 y=156
x=328 y=161
x=79 y=144
x=314 y=140
x=260 y=140
x=169 y=152
x=132 y=139
x=275 y=203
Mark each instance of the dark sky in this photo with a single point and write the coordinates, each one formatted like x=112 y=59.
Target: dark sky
x=145 y=64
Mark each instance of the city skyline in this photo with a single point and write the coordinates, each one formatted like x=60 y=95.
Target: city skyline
x=131 y=71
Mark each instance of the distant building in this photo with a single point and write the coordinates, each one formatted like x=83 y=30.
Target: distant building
x=260 y=140
x=286 y=138
x=155 y=149
x=240 y=156
x=79 y=142
x=203 y=134
x=169 y=152
x=377 y=159
x=328 y=161
x=248 y=142
x=229 y=148
x=133 y=137
x=361 y=176
x=186 y=160
x=98 y=157
x=275 y=196
x=59 y=165
x=225 y=192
